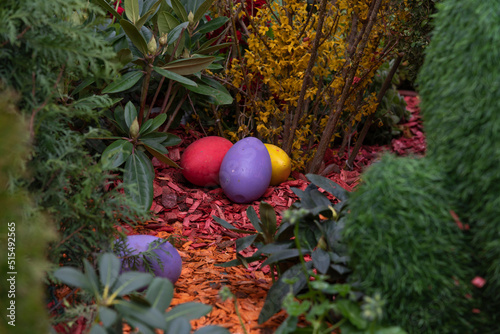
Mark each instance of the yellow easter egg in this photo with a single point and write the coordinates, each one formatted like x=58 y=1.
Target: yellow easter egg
x=281 y=164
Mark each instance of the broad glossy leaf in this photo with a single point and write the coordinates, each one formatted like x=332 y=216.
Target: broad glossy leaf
x=282 y=255
x=321 y=260
x=97 y=329
x=174 y=76
x=268 y=219
x=213 y=48
x=145 y=127
x=211 y=329
x=219 y=97
x=72 y=277
x=132 y=10
x=157 y=137
x=160 y=156
x=189 y=66
x=202 y=9
x=230 y=227
x=280 y=289
x=119 y=118
x=189 y=310
x=254 y=219
x=124 y=82
x=147 y=315
x=166 y=22
x=328 y=185
x=135 y=36
x=116 y=153
x=139 y=325
x=212 y=25
x=158 y=121
x=242 y=243
x=130 y=114
x=176 y=32
x=108 y=8
x=91 y=277
x=109 y=269
x=85 y=83
x=178 y=326
x=171 y=140
x=107 y=316
x=155 y=146
x=160 y=293
x=146 y=15
x=179 y=10
x=131 y=281
x=139 y=174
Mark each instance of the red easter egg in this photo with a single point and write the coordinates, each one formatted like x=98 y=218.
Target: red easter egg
x=202 y=159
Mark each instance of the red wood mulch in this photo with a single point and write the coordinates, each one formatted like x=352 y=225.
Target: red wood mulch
x=184 y=214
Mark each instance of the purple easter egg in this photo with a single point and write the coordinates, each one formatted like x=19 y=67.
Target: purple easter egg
x=246 y=170
x=170 y=258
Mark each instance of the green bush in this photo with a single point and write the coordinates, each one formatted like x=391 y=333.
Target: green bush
x=416 y=226
x=24 y=232
x=461 y=101
x=404 y=243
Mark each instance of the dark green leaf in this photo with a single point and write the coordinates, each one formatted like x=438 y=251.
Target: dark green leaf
x=282 y=255
x=139 y=325
x=230 y=227
x=132 y=9
x=157 y=137
x=189 y=310
x=212 y=25
x=211 y=329
x=178 y=326
x=328 y=185
x=125 y=82
x=107 y=316
x=280 y=289
x=116 y=153
x=276 y=247
x=139 y=174
x=158 y=121
x=176 y=32
x=321 y=260
x=171 y=140
x=157 y=147
x=91 y=277
x=135 y=36
x=244 y=242
x=213 y=48
x=131 y=281
x=109 y=269
x=268 y=220
x=146 y=15
x=174 y=76
x=160 y=293
x=254 y=219
x=119 y=116
x=166 y=22
x=179 y=10
x=189 y=66
x=85 y=83
x=147 y=315
x=145 y=127
x=202 y=9
x=108 y=8
x=288 y=326
x=97 y=329
x=219 y=97
x=72 y=277
x=130 y=114
x=160 y=156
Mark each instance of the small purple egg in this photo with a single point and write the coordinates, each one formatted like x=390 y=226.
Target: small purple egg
x=170 y=258
x=246 y=170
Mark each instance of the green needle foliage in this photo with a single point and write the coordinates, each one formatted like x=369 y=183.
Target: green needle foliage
x=420 y=231
x=405 y=245
x=45 y=47
x=460 y=101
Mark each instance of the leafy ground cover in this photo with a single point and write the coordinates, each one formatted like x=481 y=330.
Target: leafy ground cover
x=184 y=217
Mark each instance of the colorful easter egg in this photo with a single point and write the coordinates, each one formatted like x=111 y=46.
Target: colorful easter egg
x=281 y=164
x=201 y=160
x=245 y=171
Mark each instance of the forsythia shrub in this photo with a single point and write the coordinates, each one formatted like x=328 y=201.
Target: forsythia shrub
x=271 y=73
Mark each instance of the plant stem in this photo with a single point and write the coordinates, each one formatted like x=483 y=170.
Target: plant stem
x=144 y=92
